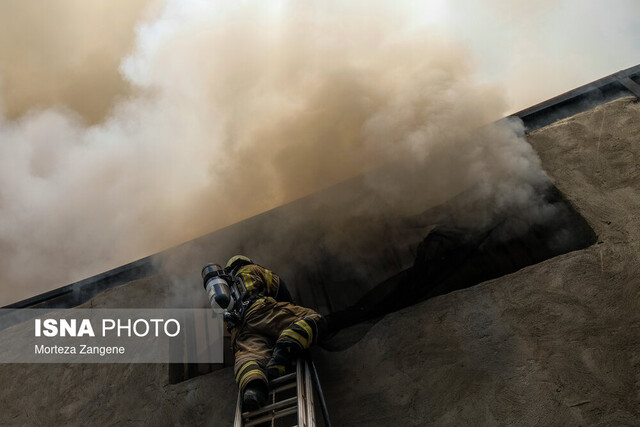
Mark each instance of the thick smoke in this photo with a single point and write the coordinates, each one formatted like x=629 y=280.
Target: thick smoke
x=65 y=52
x=240 y=107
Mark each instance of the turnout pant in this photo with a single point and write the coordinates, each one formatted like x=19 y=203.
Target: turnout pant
x=266 y=323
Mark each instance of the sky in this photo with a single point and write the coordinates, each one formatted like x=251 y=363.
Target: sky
x=122 y=122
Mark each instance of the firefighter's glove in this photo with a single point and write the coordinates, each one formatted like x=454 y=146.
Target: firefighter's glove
x=281 y=362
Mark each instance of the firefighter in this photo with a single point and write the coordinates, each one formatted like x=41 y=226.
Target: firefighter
x=271 y=331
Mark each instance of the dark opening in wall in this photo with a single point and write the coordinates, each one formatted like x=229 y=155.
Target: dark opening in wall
x=450 y=258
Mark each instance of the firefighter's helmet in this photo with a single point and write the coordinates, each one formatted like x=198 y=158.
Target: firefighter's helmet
x=238 y=260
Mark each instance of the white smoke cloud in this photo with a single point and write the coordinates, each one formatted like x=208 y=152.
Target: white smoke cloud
x=239 y=107
x=540 y=50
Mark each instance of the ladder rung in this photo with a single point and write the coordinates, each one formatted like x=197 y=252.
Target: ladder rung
x=274 y=416
x=283 y=388
x=283 y=379
x=272 y=407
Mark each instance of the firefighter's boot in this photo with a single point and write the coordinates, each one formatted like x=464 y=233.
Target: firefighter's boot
x=254 y=396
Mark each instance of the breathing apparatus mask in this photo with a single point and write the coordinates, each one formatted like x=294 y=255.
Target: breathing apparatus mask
x=225 y=291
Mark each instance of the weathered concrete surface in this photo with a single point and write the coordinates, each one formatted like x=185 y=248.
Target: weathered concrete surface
x=110 y=395
x=115 y=394
x=557 y=343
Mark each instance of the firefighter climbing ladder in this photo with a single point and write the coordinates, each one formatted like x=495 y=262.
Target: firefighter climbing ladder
x=290 y=395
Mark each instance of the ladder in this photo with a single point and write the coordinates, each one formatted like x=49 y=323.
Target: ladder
x=290 y=397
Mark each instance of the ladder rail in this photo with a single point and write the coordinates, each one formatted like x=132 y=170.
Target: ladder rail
x=323 y=403
x=300 y=391
x=237 y=422
x=311 y=421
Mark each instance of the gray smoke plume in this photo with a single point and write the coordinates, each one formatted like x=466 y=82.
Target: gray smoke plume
x=238 y=107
